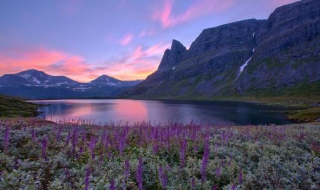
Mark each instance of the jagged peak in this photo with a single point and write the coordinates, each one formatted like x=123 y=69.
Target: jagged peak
x=176 y=45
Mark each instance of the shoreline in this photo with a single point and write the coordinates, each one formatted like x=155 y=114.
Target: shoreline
x=298 y=113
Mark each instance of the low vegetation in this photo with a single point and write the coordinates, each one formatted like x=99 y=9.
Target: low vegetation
x=15 y=107
x=37 y=155
x=303 y=100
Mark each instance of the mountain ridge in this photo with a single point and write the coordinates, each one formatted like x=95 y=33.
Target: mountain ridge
x=36 y=84
x=239 y=58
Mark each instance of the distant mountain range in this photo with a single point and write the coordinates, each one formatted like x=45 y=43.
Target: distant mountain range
x=243 y=58
x=36 y=84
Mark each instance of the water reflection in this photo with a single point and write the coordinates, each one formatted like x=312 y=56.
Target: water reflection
x=130 y=110
x=104 y=111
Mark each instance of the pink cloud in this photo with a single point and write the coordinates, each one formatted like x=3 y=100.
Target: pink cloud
x=51 y=61
x=137 y=64
x=126 y=39
x=200 y=7
x=145 y=32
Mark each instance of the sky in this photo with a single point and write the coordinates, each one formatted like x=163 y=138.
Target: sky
x=125 y=39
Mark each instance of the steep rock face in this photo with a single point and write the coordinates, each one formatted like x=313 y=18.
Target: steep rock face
x=171 y=56
x=211 y=63
x=245 y=56
x=213 y=60
x=288 y=50
x=170 y=60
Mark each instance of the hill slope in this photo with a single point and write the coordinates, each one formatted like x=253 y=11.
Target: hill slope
x=273 y=57
x=14 y=107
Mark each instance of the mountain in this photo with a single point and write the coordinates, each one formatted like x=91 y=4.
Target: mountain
x=168 y=64
x=34 y=77
x=242 y=58
x=110 y=81
x=34 y=84
x=288 y=50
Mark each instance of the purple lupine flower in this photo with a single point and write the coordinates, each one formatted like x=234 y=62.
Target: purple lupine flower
x=205 y=158
x=92 y=145
x=44 y=143
x=16 y=162
x=68 y=138
x=6 y=139
x=112 y=185
x=87 y=178
x=214 y=187
x=81 y=149
x=193 y=183
x=222 y=163
x=163 y=177
x=233 y=187
x=105 y=140
x=139 y=174
x=121 y=144
x=240 y=176
x=126 y=169
x=58 y=135
x=183 y=149
x=84 y=138
x=33 y=135
x=218 y=171
x=155 y=147
x=67 y=172
x=195 y=149
x=74 y=141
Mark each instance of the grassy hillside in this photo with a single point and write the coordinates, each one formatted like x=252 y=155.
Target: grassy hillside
x=304 y=99
x=15 y=107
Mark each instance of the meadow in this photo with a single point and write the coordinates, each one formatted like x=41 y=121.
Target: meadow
x=36 y=154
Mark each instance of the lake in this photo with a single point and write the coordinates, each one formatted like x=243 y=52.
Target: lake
x=122 y=110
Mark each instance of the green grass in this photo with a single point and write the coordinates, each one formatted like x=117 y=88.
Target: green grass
x=15 y=107
x=305 y=115
x=299 y=99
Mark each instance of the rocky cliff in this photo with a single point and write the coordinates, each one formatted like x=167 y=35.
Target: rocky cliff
x=288 y=50
x=170 y=60
x=242 y=57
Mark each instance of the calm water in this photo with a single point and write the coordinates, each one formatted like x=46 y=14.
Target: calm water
x=117 y=110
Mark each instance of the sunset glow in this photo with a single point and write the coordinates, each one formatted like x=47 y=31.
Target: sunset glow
x=123 y=39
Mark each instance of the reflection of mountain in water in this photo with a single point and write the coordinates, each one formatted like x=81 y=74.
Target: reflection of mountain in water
x=105 y=111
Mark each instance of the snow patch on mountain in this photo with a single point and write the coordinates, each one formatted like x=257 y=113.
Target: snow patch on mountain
x=245 y=64
x=26 y=76
x=35 y=80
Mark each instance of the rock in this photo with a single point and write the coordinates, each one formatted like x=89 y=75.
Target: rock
x=169 y=62
x=288 y=50
x=172 y=56
x=242 y=57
